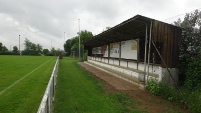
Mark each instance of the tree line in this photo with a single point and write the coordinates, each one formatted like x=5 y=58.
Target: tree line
x=30 y=48
x=71 y=47
x=4 y=50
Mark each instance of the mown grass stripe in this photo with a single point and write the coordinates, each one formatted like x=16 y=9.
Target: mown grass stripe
x=22 y=78
x=15 y=67
x=78 y=92
x=26 y=95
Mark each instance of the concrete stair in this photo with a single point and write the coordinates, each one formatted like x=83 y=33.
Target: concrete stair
x=131 y=75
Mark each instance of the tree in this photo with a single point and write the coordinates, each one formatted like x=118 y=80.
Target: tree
x=191 y=48
x=46 y=52
x=4 y=49
x=73 y=43
x=53 y=51
x=39 y=48
x=85 y=35
x=32 y=48
x=67 y=47
x=1 y=46
x=15 y=49
x=191 y=34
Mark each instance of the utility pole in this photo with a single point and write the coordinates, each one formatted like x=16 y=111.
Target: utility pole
x=79 y=35
x=51 y=45
x=64 y=37
x=19 y=45
x=64 y=41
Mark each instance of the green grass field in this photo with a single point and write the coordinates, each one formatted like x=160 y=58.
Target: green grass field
x=78 y=92
x=23 y=80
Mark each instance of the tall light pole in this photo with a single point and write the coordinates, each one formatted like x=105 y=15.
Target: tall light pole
x=64 y=41
x=79 y=35
x=51 y=45
x=19 y=45
x=64 y=37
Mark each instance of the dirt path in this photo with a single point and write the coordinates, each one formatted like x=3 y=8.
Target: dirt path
x=148 y=102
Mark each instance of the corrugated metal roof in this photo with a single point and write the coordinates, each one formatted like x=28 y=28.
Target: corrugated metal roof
x=132 y=28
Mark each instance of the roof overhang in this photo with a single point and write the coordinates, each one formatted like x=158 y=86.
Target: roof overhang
x=130 y=29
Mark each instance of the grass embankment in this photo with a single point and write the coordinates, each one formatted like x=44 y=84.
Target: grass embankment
x=78 y=92
x=32 y=74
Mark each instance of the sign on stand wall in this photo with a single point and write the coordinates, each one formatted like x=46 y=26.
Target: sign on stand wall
x=104 y=50
x=129 y=49
x=114 y=50
x=96 y=50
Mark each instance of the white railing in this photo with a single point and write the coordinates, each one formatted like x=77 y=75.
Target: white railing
x=48 y=97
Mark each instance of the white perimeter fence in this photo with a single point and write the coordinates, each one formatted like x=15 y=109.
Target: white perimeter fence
x=48 y=98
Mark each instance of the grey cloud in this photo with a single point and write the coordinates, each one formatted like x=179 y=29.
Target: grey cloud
x=43 y=21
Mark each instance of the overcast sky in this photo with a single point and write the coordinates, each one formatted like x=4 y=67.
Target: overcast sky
x=45 y=21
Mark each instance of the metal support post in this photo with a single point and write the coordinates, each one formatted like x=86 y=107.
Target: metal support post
x=149 y=52
x=145 y=54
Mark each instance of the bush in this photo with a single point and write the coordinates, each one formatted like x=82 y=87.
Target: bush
x=8 y=53
x=153 y=86
x=193 y=73
x=186 y=98
x=160 y=89
x=194 y=101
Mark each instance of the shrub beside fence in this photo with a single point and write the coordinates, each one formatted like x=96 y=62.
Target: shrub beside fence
x=48 y=97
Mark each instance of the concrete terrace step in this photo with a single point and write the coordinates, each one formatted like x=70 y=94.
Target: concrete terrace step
x=131 y=69
x=128 y=74
x=118 y=74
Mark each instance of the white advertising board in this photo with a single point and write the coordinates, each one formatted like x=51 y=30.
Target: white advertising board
x=96 y=50
x=114 y=50
x=129 y=49
x=104 y=50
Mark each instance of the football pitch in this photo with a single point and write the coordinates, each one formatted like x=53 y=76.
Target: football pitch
x=23 y=80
